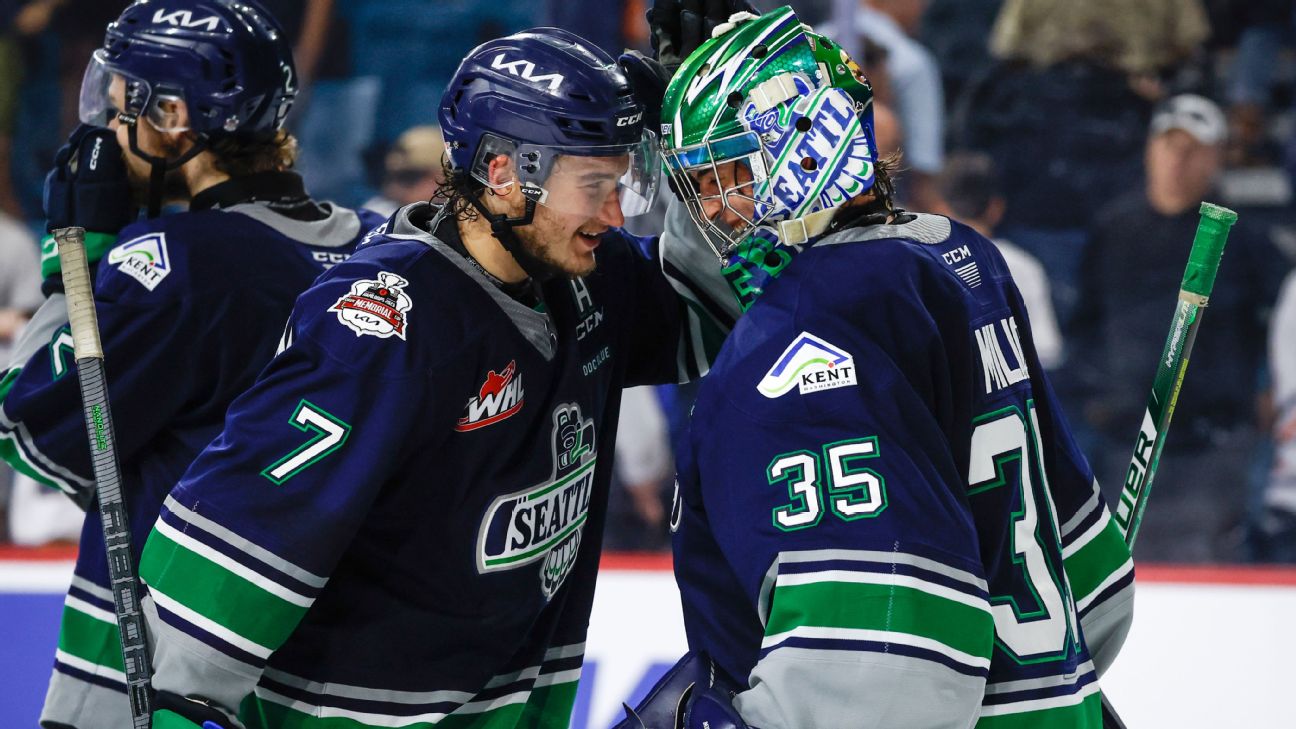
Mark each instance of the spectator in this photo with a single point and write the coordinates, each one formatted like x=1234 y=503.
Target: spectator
x=19 y=297
x=969 y=187
x=644 y=466
x=1276 y=532
x=1129 y=278
x=412 y=170
x=918 y=96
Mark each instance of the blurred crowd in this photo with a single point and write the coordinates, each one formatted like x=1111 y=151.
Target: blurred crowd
x=1081 y=137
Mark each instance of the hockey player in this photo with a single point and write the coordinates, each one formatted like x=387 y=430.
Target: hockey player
x=191 y=306
x=882 y=519
x=400 y=524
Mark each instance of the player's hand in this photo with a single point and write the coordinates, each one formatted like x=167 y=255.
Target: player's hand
x=678 y=27
x=648 y=80
x=88 y=188
x=175 y=712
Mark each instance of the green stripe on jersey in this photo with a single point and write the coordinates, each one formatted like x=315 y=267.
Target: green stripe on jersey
x=1085 y=715
x=1096 y=561
x=90 y=639
x=216 y=593
x=891 y=608
x=548 y=707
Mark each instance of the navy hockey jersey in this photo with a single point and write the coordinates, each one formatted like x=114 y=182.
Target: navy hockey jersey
x=883 y=520
x=190 y=307
x=400 y=524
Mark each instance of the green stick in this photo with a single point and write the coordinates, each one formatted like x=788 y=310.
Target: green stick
x=107 y=471
x=1194 y=294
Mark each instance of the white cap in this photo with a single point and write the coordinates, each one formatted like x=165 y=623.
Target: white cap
x=1197 y=115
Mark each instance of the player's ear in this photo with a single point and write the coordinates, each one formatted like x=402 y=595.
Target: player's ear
x=501 y=173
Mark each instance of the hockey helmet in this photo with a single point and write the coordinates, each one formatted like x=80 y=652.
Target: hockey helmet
x=788 y=104
x=227 y=60
x=539 y=96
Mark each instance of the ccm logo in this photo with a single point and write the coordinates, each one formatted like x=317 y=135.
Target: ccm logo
x=626 y=121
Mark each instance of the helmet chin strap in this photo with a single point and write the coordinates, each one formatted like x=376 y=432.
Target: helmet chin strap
x=502 y=228
x=159 y=166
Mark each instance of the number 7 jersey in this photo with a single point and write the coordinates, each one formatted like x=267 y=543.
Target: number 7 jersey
x=882 y=519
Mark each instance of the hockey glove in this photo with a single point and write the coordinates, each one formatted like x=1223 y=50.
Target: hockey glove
x=88 y=187
x=175 y=712
x=648 y=80
x=678 y=27
x=690 y=693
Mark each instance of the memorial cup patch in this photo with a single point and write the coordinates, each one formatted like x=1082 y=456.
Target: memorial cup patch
x=378 y=307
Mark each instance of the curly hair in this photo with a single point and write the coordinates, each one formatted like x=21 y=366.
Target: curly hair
x=239 y=156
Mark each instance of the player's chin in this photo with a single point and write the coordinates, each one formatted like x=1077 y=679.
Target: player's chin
x=581 y=264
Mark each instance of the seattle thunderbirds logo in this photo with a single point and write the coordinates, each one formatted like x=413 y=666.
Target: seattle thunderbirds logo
x=810 y=364
x=543 y=523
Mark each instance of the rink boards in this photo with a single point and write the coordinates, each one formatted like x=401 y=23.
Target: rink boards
x=1211 y=647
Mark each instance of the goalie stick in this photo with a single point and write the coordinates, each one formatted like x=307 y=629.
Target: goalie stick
x=107 y=471
x=1194 y=294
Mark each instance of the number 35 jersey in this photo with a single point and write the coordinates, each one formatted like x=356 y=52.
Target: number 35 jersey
x=882 y=519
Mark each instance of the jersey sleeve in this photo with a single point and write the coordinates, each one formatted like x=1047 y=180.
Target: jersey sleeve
x=842 y=516
x=152 y=346
x=248 y=538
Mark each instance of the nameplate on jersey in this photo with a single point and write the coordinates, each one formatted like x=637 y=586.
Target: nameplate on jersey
x=1002 y=360
x=809 y=364
x=144 y=259
x=500 y=397
x=376 y=307
x=544 y=523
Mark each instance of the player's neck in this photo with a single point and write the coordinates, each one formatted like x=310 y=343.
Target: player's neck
x=485 y=248
x=201 y=173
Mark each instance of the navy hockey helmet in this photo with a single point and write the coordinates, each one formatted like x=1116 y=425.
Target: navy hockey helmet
x=538 y=95
x=227 y=60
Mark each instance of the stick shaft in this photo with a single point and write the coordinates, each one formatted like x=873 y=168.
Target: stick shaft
x=1194 y=294
x=107 y=470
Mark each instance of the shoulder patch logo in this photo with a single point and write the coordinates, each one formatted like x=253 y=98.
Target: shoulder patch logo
x=810 y=364
x=543 y=523
x=144 y=259
x=377 y=307
x=499 y=397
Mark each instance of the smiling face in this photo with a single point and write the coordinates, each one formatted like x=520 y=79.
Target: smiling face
x=725 y=193
x=582 y=204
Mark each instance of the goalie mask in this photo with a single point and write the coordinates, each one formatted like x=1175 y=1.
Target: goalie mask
x=768 y=125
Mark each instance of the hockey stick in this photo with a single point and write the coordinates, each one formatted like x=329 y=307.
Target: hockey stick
x=1194 y=293
x=107 y=472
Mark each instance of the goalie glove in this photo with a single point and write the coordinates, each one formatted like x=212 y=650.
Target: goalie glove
x=693 y=694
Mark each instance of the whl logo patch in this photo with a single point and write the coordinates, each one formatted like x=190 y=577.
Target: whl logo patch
x=543 y=523
x=809 y=364
x=499 y=397
x=378 y=308
x=144 y=259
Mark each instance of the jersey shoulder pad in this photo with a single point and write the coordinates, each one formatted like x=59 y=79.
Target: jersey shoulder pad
x=152 y=258
x=389 y=309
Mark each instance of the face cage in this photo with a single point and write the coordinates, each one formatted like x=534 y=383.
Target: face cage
x=719 y=235
x=636 y=189
x=142 y=100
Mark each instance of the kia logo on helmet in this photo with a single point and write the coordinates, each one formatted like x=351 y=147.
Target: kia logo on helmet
x=185 y=19
x=626 y=121
x=526 y=70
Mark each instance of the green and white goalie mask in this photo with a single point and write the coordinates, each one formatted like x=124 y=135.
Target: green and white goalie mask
x=577 y=180
x=771 y=124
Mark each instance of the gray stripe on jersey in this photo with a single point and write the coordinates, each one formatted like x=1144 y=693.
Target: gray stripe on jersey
x=250 y=548
x=181 y=662
x=22 y=437
x=1029 y=684
x=335 y=231
x=81 y=583
x=533 y=325
x=1105 y=626
x=793 y=688
x=84 y=705
x=1085 y=512
x=925 y=228
x=341 y=690
x=863 y=555
x=38 y=332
